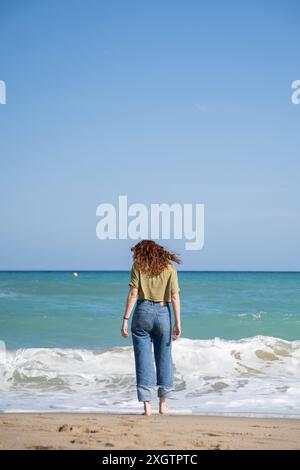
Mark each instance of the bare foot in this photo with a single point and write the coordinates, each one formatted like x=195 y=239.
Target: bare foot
x=163 y=407
x=147 y=408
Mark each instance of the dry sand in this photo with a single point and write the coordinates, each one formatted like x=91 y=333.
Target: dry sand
x=100 y=431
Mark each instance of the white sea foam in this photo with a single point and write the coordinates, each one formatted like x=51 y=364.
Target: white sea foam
x=253 y=376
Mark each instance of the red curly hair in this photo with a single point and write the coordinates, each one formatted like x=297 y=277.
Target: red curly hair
x=152 y=258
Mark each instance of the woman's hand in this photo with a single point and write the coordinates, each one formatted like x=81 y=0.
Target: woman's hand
x=176 y=331
x=124 y=330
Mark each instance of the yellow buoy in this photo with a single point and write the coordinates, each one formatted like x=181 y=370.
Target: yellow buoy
x=75 y=274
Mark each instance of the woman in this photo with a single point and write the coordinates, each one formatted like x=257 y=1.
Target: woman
x=153 y=287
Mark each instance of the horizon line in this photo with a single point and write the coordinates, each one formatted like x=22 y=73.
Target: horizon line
x=128 y=270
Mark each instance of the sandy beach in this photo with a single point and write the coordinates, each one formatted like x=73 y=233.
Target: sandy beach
x=99 y=431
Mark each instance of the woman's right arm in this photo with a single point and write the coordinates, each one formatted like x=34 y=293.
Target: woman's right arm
x=176 y=309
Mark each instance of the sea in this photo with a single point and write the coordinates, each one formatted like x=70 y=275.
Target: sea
x=61 y=349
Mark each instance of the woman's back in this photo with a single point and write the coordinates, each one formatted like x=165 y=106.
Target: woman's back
x=159 y=287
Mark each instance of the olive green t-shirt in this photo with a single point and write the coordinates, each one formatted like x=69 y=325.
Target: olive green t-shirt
x=159 y=287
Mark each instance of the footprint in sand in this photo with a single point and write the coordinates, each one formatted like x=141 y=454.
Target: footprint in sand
x=65 y=428
x=37 y=447
x=166 y=443
x=217 y=447
x=78 y=441
x=91 y=431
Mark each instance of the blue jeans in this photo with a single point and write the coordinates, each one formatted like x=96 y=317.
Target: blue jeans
x=152 y=323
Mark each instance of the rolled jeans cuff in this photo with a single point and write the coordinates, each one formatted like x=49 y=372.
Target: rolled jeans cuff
x=166 y=392
x=145 y=392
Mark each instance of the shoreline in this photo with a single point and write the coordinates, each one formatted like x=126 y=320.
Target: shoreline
x=154 y=412
x=50 y=431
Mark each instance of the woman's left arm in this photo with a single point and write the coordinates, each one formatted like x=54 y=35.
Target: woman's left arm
x=131 y=299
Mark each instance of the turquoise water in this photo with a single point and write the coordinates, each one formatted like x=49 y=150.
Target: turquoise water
x=54 y=309
x=61 y=348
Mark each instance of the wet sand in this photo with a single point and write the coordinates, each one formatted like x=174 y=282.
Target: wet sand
x=100 y=431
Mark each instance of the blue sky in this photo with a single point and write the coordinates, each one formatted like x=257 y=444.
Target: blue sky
x=164 y=101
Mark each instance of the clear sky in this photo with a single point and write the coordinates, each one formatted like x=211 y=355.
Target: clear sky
x=163 y=101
